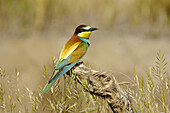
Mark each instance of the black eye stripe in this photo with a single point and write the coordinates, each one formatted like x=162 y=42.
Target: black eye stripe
x=81 y=30
x=84 y=30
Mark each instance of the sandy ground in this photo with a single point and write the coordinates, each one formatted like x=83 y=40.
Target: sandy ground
x=108 y=51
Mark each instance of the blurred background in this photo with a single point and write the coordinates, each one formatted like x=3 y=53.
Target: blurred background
x=131 y=32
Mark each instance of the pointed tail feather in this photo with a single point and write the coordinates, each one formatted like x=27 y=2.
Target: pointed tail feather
x=53 y=78
x=47 y=87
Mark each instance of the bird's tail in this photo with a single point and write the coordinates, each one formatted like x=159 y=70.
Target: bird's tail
x=47 y=87
x=54 y=77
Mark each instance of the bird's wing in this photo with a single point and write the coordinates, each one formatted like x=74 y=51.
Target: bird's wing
x=68 y=50
x=70 y=61
x=65 y=55
x=78 y=53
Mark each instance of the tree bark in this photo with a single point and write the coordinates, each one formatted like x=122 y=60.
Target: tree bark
x=104 y=85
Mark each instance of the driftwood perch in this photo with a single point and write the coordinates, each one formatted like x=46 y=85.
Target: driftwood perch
x=103 y=84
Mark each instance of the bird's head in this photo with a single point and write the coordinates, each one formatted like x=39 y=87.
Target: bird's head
x=84 y=31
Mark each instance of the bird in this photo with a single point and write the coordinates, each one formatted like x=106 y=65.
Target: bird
x=74 y=49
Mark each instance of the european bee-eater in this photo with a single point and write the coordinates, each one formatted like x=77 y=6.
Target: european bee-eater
x=71 y=53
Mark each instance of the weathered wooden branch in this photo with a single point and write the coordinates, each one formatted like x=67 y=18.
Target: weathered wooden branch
x=103 y=84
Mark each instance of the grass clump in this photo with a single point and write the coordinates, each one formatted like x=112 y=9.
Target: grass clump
x=151 y=93
x=10 y=98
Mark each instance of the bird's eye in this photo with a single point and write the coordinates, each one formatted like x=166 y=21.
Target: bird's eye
x=82 y=30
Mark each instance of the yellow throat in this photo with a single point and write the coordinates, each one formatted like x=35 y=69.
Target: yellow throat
x=84 y=34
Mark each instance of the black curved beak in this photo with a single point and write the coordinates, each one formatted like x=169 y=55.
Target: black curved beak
x=93 y=29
